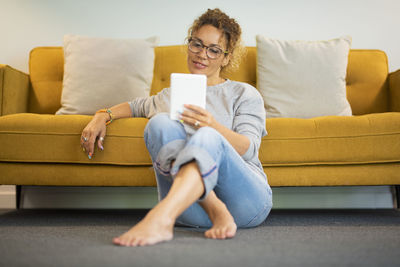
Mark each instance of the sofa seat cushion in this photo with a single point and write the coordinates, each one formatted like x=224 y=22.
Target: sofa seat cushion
x=332 y=140
x=56 y=139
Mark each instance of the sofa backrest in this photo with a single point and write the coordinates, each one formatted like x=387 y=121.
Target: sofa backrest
x=367 y=88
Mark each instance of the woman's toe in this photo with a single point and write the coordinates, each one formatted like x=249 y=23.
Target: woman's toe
x=218 y=233
x=231 y=231
x=208 y=234
x=223 y=233
x=136 y=242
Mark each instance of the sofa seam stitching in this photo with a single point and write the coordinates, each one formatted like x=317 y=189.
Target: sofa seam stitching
x=333 y=163
x=328 y=137
x=66 y=134
x=263 y=139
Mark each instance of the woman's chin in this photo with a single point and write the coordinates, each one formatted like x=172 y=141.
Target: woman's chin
x=197 y=71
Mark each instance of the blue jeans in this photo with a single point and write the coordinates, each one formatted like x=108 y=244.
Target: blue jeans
x=245 y=193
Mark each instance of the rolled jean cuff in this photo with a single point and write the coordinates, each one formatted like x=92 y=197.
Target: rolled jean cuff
x=206 y=164
x=167 y=154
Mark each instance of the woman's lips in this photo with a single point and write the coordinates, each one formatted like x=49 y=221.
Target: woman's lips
x=199 y=65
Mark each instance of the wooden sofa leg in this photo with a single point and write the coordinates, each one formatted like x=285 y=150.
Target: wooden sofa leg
x=18 y=190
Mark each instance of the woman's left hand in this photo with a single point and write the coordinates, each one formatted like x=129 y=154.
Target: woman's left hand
x=197 y=117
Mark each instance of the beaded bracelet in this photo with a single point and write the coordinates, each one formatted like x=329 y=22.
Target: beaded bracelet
x=107 y=110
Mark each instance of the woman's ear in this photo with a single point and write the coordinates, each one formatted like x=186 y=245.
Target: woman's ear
x=226 y=60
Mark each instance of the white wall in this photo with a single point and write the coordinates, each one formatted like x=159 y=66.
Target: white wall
x=25 y=24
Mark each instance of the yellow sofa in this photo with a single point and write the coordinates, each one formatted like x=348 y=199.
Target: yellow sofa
x=40 y=148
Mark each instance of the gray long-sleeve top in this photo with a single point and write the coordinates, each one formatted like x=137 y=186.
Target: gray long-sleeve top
x=238 y=106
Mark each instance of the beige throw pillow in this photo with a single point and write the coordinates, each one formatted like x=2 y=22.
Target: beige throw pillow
x=102 y=72
x=303 y=79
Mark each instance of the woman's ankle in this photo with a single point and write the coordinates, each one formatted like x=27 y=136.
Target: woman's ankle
x=213 y=206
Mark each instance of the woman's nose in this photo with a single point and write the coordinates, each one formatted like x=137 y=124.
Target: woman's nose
x=203 y=53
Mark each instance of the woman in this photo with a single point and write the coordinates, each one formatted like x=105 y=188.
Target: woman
x=207 y=167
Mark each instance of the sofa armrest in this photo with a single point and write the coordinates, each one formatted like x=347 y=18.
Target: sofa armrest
x=394 y=90
x=14 y=90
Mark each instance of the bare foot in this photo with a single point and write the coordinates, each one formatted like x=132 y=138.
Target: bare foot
x=224 y=225
x=154 y=228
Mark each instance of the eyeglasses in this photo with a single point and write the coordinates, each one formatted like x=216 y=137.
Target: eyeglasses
x=213 y=52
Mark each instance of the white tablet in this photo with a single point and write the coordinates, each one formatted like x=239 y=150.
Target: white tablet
x=187 y=89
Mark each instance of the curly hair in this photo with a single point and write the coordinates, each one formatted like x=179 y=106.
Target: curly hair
x=231 y=31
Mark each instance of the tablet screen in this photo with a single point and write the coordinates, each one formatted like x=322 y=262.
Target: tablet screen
x=187 y=89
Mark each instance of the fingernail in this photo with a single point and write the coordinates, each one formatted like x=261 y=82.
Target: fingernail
x=84 y=150
x=90 y=155
x=181 y=121
x=101 y=147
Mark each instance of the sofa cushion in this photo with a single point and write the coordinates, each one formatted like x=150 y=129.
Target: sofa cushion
x=332 y=140
x=101 y=72
x=56 y=139
x=51 y=174
x=367 y=86
x=301 y=79
x=46 y=69
x=329 y=140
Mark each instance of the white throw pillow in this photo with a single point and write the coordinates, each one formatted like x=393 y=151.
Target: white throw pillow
x=303 y=79
x=102 y=72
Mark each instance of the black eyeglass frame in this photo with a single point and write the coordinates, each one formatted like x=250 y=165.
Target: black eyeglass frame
x=207 y=48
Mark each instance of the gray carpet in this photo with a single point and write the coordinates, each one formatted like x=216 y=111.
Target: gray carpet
x=286 y=238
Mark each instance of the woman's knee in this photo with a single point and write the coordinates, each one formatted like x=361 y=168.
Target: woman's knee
x=158 y=122
x=207 y=131
x=160 y=131
x=208 y=135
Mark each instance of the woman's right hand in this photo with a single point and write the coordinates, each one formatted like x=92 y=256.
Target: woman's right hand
x=94 y=131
